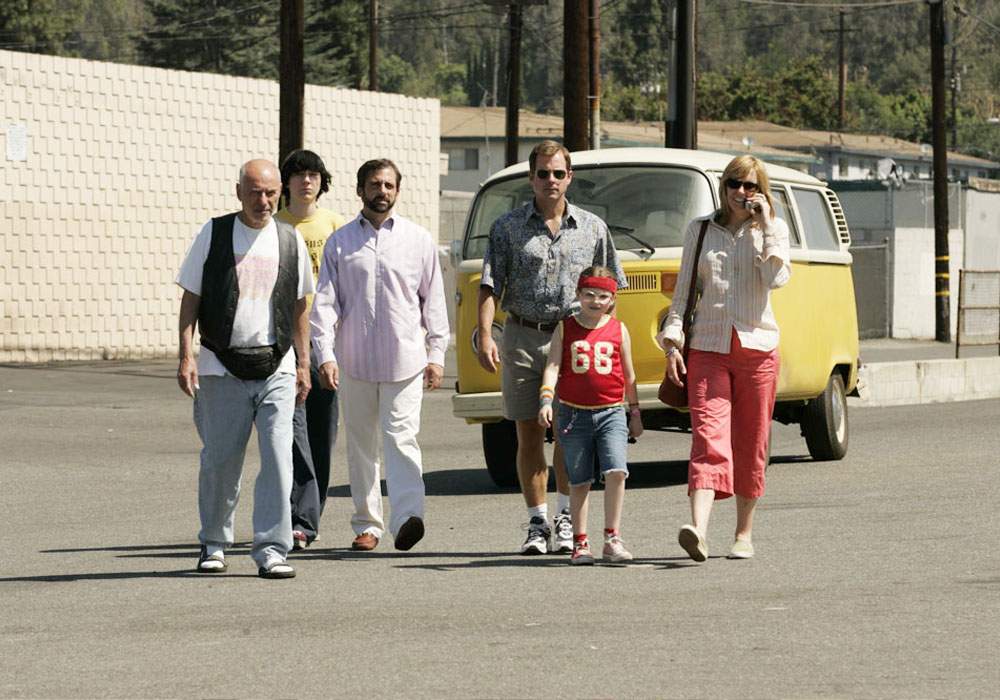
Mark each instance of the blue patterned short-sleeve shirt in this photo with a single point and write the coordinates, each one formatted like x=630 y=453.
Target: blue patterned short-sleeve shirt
x=533 y=272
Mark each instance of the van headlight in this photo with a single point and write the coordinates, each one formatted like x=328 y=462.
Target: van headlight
x=497 y=336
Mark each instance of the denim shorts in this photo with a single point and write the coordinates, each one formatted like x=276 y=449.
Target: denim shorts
x=586 y=434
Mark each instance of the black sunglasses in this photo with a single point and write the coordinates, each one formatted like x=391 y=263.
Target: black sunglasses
x=748 y=187
x=544 y=174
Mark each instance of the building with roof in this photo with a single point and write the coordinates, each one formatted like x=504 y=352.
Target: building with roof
x=473 y=140
x=843 y=156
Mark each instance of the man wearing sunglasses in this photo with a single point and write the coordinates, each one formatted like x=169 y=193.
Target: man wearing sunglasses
x=533 y=260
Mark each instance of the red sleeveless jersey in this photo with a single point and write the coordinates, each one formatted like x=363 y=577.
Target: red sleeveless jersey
x=591 y=375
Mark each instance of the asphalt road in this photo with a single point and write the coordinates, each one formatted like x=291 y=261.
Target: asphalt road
x=877 y=576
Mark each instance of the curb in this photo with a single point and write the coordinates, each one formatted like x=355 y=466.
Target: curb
x=928 y=381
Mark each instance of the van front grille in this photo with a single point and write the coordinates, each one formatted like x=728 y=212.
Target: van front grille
x=641 y=282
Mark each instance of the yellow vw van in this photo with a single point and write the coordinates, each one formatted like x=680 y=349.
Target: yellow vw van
x=647 y=196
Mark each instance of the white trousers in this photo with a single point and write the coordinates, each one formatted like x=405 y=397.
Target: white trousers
x=392 y=410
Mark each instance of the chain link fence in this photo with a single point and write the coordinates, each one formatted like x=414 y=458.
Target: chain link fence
x=978 y=309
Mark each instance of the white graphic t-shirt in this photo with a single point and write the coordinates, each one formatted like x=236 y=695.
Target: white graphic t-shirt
x=256 y=253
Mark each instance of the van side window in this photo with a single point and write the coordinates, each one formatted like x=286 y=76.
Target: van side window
x=781 y=210
x=817 y=224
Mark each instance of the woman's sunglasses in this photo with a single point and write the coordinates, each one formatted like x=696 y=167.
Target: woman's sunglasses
x=543 y=174
x=748 y=187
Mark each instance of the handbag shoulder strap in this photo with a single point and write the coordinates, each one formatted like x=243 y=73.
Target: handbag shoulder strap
x=689 y=307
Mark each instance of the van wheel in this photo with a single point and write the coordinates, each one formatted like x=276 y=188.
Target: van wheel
x=500 y=450
x=824 y=422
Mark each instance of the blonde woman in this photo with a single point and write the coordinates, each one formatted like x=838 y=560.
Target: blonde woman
x=732 y=366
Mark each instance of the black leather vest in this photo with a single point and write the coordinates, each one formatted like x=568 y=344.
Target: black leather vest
x=220 y=289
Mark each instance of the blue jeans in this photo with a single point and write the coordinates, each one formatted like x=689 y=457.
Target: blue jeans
x=589 y=434
x=225 y=411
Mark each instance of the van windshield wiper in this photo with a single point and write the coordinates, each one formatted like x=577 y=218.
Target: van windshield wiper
x=617 y=230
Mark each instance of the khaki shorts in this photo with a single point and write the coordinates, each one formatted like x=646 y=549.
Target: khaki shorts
x=524 y=352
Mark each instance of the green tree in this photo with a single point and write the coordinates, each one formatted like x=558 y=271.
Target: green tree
x=335 y=43
x=104 y=30
x=37 y=26
x=217 y=36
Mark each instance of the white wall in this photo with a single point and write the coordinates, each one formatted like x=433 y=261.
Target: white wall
x=982 y=223
x=124 y=165
x=469 y=180
x=913 y=293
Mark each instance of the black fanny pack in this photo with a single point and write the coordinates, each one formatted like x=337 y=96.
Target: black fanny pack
x=250 y=363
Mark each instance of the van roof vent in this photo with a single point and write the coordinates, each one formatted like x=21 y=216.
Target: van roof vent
x=838 y=216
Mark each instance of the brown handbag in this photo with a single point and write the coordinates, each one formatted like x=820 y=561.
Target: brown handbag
x=669 y=393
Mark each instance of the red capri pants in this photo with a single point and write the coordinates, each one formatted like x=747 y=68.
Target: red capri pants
x=731 y=400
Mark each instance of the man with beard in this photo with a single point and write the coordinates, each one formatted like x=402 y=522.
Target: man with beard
x=380 y=330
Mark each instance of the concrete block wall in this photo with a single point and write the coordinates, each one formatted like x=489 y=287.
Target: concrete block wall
x=930 y=381
x=913 y=293
x=124 y=165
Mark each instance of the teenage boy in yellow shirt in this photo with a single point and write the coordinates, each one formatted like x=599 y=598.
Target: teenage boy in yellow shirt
x=304 y=179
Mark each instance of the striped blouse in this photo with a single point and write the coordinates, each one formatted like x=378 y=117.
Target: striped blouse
x=736 y=274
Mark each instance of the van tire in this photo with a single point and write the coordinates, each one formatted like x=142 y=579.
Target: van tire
x=500 y=451
x=824 y=422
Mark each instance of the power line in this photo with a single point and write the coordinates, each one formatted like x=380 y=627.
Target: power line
x=864 y=4
x=965 y=13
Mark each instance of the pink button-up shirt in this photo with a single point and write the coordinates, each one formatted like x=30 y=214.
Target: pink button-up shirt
x=379 y=310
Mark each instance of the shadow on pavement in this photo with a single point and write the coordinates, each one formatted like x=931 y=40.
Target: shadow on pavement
x=187 y=547
x=507 y=560
x=119 y=575
x=448 y=482
x=465 y=560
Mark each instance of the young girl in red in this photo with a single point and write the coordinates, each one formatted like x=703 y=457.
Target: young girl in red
x=592 y=358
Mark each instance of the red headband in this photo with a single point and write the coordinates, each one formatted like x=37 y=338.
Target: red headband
x=598 y=283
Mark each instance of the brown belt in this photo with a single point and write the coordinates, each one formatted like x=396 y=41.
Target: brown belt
x=544 y=326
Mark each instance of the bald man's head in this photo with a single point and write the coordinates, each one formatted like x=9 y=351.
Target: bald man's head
x=258 y=191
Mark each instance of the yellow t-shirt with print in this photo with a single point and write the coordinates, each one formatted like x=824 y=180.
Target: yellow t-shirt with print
x=315 y=230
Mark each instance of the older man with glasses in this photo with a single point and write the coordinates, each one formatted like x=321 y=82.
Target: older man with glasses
x=534 y=257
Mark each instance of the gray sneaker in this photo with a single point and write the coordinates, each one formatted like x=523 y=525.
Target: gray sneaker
x=538 y=537
x=562 y=533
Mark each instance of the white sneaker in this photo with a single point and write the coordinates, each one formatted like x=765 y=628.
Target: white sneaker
x=582 y=554
x=614 y=550
x=693 y=543
x=538 y=537
x=742 y=549
x=562 y=533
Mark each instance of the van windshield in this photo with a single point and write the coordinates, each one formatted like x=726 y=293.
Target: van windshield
x=641 y=204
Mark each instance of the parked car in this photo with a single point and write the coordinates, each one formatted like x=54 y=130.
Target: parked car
x=647 y=196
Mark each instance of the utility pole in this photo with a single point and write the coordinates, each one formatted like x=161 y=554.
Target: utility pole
x=942 y=318
x=842 y=82
x=576 y=80
x=956 y=81
x=595 y=74
x=681 y=125
x=513 y=84
x=292 y=86
x=373 y=45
